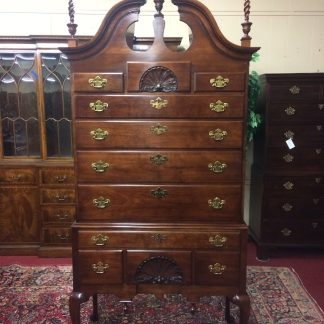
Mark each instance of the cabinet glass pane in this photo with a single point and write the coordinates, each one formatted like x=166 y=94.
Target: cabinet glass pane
x=57 y=88
x=18 y=105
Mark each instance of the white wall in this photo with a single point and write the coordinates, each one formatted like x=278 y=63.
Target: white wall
x=290 y=32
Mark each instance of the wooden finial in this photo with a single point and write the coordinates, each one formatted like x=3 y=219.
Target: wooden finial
x=158 y=7
x=246 y=25
x=71 y=25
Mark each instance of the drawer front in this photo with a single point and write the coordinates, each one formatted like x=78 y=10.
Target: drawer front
x=295 y=92
x=157 y=239
x=57 y=196
x=56 y=214
x=57 y=235
x=295 y=112
x=18 y=175
x=99 y=267
x=159 y=203
x=98 y=82
x=162 y=266
x=305 y=159
x=216 y=268
x=303 y=232
x=159 y=166
x=57 y=176
x=160 y=106
x=162 y=134
x=220 y=81
x=293 y=185
x=302 y=135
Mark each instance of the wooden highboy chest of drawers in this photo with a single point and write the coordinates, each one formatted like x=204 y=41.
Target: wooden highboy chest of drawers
x=287 y=184
x=159 y=147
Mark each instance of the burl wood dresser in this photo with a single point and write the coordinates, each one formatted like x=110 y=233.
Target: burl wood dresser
x=159 y=146
x=287 y=186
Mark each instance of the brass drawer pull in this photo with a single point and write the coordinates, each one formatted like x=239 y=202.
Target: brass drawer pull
x=216 y=203
x=158 y=159
x=217 y=240
x=100 y=166
x=286 y=231
x=159 y=129
x=217 y=134
x=62 y=198
x=321 y=106
x=159 y=193
x=100 y=267
x=98 y=106
x=287 y=207
x=63 y=236
x=319 y=127
x=288 y=185
x=158 y=237
x=97 y=82
x=17 y=177
x=289 y=134
x=61 y=178
x=99 y=134
x=100 y=239
x=290 y=111
x=318 y=180
x=217 y=269
x=219 y=82
x=318 y=151
x=315 y=201
x=217 y=167
x=101 y=202
x=63 y=216
x=294 y=90
x=158 y=103
x=218 y=106
x=288 y=158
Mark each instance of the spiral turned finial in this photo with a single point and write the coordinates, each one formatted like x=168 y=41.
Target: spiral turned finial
x=246 y=25
x=158 y=7
x=71 y=25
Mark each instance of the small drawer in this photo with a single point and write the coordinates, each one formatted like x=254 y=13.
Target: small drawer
x=57 y=176
x=18 y=175
x=98 y=82
x=164 y=267
x=57 y=196
x=158 y=239
x=99 y=267
x=219 y=81
x=216 y=268
x=55 y=214
x=57 y=235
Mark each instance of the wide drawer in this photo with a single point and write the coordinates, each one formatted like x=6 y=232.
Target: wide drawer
x=57 y=235
x=219 y=81
x=99 y=267
x=158 y=267
x=159 y=239
x=57 y=214
x=216 y=268
x=18 y=175
x=218 y=105
x=159 y=203
x=302 y=135
x=162 y=134
x=57 y=196
x=57 y=176
x=98 y=82
x=159 y=166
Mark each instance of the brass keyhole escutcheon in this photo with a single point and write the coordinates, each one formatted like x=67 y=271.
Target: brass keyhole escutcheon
x=98 y=106
x=219 y=82
x=97 y=82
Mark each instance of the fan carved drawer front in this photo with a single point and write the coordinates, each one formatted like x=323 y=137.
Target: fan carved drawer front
x=157 y=202
x=162 y=134
x=220 y=240
x=218 y=105
x=159 y=166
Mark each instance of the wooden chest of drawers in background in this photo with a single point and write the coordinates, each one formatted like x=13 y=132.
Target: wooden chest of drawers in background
x=159 y=148
x=287 y=187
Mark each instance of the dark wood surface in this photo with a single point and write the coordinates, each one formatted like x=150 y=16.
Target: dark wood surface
x=174 y=225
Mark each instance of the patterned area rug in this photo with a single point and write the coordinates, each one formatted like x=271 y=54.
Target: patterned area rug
x=40 y=295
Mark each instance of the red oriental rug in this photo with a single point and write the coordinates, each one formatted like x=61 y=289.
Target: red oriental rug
x=40 y=295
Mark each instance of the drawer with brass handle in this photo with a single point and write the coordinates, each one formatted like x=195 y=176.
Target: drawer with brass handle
x=295 y=92
x=57 y=196
x=57 y=176
x=56 y=214
x=18 y=175
x=57 y=235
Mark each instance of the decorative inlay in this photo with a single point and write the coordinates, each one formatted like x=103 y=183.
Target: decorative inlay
x=100 y=166
x=288 y=158
x=217 y=167
x=217 y=134
x=287 y=207
x=158 y=103
x=219 y=82
x=288 y=185
x=159 y=159
x=158 y=79
x=217 y=269
x=216 y=203
x=99 y=239
x=294 y=90
x=98 y=82
x=100 y=267
x=289 y=134
x=101 y=202
x=218 y=106
x=98 y=106
x=158 y=270
x=290 y=111
x=217 y=240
